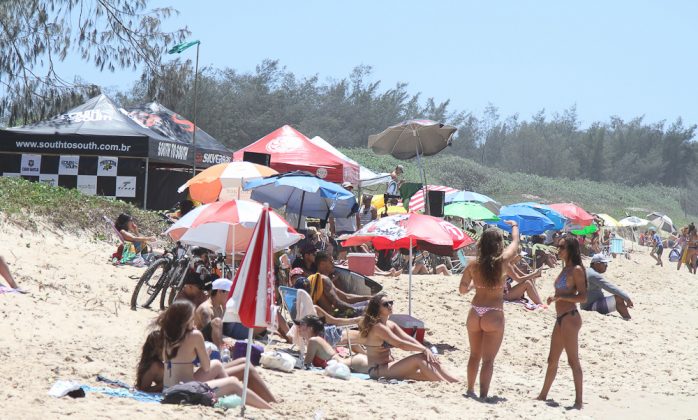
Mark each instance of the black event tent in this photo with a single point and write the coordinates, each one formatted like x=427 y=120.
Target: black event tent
x=97 y=148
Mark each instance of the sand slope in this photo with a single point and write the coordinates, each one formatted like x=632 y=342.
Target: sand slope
x=77 y=324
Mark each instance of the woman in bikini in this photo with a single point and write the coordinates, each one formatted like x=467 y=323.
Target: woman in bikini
x=183 y=345
x=520 y=284
x=129 y=232
x=486 y=316
x=570 y=289
x=692 y=249
x=319 y=351
x=380 y=335
x=151 y=370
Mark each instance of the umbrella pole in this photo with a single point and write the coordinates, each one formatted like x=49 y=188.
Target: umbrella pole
x=246 y=376
x=298 y=225
x=409 y=287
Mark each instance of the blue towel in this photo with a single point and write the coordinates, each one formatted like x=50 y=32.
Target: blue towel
x=124 y=393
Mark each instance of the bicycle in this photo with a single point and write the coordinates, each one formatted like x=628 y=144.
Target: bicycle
x=217 y=268
x=175 y=282
x=155 y=277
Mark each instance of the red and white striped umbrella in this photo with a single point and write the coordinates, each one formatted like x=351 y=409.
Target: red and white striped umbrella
x=251 y=297
x=417 y=200
x=226 y=226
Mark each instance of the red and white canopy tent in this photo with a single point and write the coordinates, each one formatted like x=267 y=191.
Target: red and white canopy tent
x=290 y=150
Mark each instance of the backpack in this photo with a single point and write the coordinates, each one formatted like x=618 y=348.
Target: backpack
x=189 y=393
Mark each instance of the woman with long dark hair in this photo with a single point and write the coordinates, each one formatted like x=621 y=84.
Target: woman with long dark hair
x=570 y=289
x=486 y=316
x=379 y=335
x=183 y=345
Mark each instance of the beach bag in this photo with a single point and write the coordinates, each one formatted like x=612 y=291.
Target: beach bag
x=189 y=393
x=278 y=361
x=240 y=351
x=674 y=255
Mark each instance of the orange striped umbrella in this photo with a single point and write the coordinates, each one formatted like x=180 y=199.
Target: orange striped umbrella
x=207 y=186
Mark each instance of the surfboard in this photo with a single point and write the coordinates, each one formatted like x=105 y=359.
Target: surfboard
x=355 y=283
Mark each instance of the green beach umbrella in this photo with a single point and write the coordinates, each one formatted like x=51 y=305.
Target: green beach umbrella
x=472 y=211
x=587 y=230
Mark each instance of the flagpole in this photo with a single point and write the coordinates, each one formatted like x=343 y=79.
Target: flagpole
x=196 y=85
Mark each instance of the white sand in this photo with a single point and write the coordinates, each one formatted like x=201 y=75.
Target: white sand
x=77 y=323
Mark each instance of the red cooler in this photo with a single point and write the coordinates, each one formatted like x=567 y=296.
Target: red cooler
x=362 y=263
x=410 y=325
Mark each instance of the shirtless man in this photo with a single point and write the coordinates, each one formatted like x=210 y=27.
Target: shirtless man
x=209 y=315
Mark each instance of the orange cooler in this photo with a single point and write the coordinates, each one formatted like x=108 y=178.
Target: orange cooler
x=361 y=263
x=410 y=325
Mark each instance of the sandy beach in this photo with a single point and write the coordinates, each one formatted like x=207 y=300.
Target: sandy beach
x=76 y=324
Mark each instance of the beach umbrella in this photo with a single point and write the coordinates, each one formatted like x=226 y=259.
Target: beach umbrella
x=206 y=186
x=226 y=226
x=633 y=221
x=470 y=196
x=251 y=296
x=472 y=211
x=551 y=214
x=531 y=222
x=412 y=230
x=304 y=194
x=575 y=215
x=417 y=200
x=608 y=220
x=662 y=222
x=413 y=138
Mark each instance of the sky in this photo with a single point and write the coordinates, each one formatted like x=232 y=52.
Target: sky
x=609 y=58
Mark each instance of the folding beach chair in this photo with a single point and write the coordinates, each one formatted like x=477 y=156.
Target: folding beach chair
x=460 y=263
x=116 y=233
x=617 y=246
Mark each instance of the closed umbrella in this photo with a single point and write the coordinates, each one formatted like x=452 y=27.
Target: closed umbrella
x=575 y=215
x=530 y=221
x=409 y=231
x=252 y=295
x=551 y=214
x=662 y=222
x=472 y=211
x=206 y=187
x=470 y=196
x=304 y=194
x=413 y=138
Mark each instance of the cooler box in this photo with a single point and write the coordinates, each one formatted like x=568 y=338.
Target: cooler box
x=410 y=325
x=362 y=263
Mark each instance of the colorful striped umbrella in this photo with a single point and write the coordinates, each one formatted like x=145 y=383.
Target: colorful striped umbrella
x=251 y=297
x=206 y=187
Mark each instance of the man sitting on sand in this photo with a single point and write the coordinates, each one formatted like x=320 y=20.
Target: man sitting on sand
x=209 y=315
x=596 y=301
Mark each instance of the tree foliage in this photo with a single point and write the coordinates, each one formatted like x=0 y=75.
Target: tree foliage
x=37 y=34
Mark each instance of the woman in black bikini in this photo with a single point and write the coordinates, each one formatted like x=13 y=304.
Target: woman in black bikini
x=486 y=316
x=381 y=334
x=570 y=289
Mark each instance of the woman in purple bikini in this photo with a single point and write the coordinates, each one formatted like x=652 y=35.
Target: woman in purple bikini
x=486 y=317
x=570 y=289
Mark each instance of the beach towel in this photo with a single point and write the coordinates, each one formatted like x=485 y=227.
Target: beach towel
x=124 y=393
x=316 y=287
x=361 y=376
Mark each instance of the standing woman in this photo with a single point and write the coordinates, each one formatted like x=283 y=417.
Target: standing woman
x=570 y=289
x=692 y=248
x=486 y=317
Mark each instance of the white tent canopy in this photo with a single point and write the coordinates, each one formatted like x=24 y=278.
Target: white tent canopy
x=366 y=176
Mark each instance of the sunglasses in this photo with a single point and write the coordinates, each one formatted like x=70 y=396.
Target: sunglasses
x=388 y=304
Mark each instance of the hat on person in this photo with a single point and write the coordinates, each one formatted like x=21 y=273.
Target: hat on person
x=195 y=280
x=222 y=284
x=600 y=258
x=347 y=184
x=296 y=272
x=302 y=283
x=400 y=167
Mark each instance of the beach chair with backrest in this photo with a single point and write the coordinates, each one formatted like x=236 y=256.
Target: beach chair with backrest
x=617 y=246
x=116 y=233
x=460 y=263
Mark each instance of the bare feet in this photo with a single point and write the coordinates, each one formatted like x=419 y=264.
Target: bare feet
x=578 y=405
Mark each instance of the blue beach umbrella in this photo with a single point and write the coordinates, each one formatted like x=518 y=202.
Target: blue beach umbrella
x=530 y=221
x=303 y=194
x=551 y=214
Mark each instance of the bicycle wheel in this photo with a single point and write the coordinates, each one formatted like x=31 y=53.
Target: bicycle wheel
x=152 y=279
x=175 y=281
x=174 y=291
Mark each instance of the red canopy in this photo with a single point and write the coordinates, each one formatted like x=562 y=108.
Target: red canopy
x=290 y=150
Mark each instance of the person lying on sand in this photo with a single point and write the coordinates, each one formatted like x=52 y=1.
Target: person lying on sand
x=151 y=370
x=183 y=344
x=319 y=351
x=596 y=301
x=380 y=335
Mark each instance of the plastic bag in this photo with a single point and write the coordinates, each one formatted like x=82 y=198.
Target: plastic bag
x=338 y=370
x=278 y=361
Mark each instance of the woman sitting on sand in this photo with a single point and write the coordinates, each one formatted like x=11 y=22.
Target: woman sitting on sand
x=570 y=289
x=486 y=316
x=183 y=344
x=318 y=351
x=381 y=334
x=151 y=370
x=129 y=232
